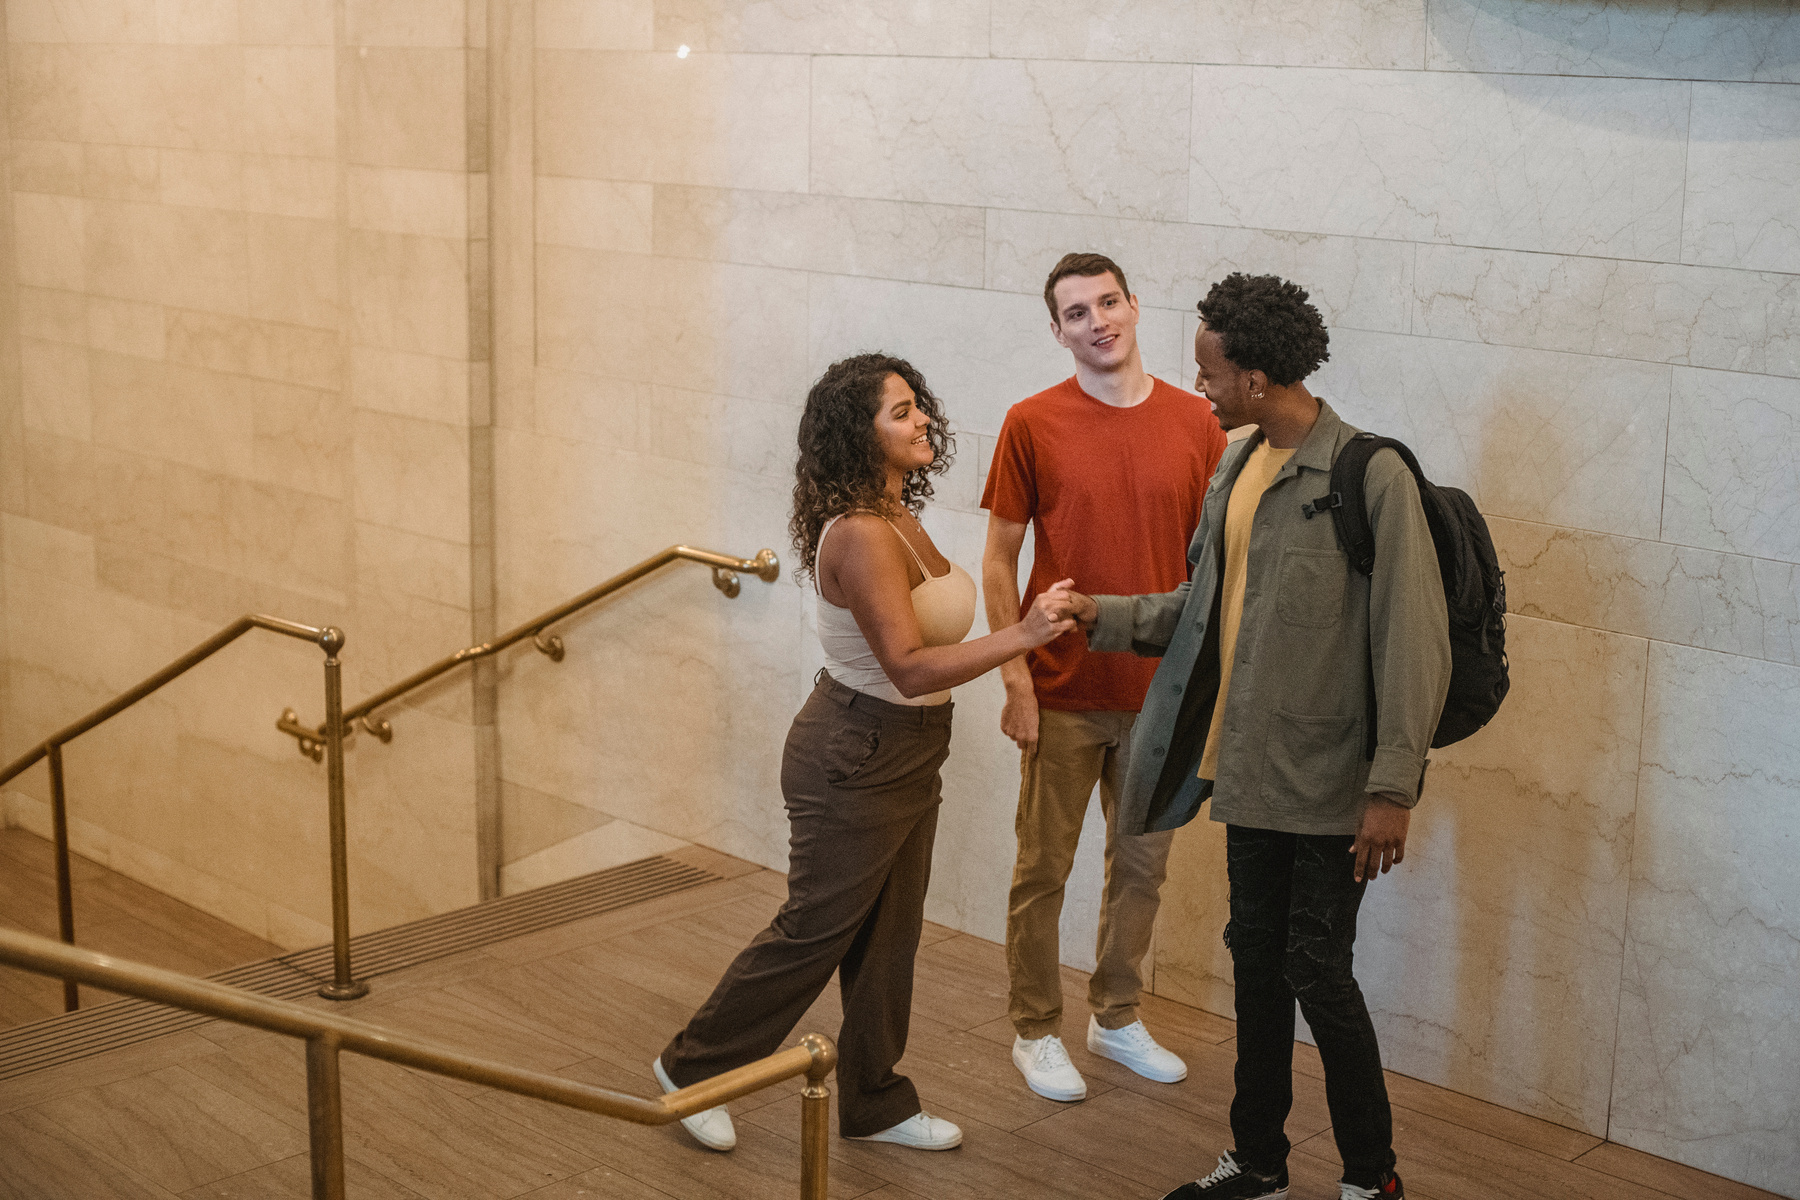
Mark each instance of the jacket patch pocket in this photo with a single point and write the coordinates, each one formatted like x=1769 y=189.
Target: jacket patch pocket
x=1311 y=588
x=848 y=751
x=1310 y=757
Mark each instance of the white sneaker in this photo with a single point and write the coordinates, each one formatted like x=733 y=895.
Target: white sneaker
x=921 y=1131
x=1134 y=1047
x=712 y=1128
x=1047 y=1069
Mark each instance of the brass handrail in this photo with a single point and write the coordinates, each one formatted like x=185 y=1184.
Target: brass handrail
x=331 y=743
x=325 y=1035
x=765 y=566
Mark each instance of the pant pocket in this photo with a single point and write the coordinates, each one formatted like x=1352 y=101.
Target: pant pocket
x=1309 y=756
x=848 y=750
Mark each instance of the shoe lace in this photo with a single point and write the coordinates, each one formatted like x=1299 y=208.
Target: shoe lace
x=1350 y=1191
x=1138 y=1036
x=1227 y=1169
x=1051 y=1054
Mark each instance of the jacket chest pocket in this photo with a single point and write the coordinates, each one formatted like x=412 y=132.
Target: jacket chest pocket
x=1311 y=589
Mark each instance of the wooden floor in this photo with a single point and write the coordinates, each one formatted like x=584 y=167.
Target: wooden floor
x=112 y=914
x=219 y=1113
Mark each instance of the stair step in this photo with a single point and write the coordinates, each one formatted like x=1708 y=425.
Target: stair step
x=90 y=1031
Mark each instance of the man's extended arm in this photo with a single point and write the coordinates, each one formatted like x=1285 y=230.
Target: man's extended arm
x=1000 y=592
x=1142 y=624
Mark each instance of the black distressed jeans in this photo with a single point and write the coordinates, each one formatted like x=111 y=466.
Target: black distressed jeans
x=1293 y=922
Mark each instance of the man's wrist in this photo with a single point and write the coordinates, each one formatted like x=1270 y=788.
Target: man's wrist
x=1015 y=675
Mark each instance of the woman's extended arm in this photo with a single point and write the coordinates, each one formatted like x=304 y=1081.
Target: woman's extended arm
x=867 y=564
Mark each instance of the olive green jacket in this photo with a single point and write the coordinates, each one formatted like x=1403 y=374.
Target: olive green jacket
x=1319 y=645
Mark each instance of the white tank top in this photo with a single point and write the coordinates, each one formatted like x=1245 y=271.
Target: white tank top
x=945 y=607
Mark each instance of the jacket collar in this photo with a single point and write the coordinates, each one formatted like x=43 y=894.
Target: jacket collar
x=1319 y=447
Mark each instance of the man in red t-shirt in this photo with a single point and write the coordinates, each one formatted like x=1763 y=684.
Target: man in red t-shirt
x=1110 y=466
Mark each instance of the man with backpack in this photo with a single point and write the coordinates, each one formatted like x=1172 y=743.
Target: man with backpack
x=1301 y=696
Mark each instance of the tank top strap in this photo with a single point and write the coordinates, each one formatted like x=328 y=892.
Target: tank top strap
x=923 y=569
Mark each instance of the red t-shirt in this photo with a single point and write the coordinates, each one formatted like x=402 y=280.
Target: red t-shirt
x=1115 y=494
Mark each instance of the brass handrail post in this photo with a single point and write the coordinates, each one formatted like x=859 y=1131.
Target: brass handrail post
x=342 y=985
x=65 y=888
x=325 y=1116
x=815 y=1118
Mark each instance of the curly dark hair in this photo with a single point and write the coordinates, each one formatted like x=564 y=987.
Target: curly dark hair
x=840 y=468
x=1267 y=325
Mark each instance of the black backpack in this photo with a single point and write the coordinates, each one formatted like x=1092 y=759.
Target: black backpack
x=1474 y=584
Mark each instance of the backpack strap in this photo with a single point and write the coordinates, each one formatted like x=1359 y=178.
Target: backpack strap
x=1349 y=509
x=1347 y=502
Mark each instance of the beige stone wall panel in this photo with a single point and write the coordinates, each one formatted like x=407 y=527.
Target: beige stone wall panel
x=65 y=21
x=50 y=235
x=396 y=562
x=290 y=101
x=1749 y=40
x=49 y=167
x=409 y=107
x=285 y=186
x=400 y=475
x=292 y=270
x=1560 y=438
x=175 y=413
x=262 y=349
x=1525 y=833
x=415 y=24
x=1708 y=1016
x=185 y=97
x=59 y=481
x=288 y=23
x=43 y=92
x=925 y=243
x=55 y=316
x=399 y=200
x=121 y=173
x=1733 y=478
x=409 y=293
x=1657 y=312
x=301 y=439
x=709 y=327
x=594 y=24
x=1743 y=168
x=1611 y=153
x=596 y=214
x=1292 y=33
x=998 y=132
x=1676 y=594
x=53 y=389
x=936 y=28
x=720 y=120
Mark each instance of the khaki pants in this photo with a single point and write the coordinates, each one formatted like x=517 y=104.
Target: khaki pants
x=1076 y=750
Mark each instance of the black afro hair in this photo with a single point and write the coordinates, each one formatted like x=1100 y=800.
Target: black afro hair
x=1267 y=325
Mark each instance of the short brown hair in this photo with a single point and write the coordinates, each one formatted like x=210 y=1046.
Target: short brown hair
x=1084 y=263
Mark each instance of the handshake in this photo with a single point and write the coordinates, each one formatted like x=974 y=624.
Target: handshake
x=1058 y=610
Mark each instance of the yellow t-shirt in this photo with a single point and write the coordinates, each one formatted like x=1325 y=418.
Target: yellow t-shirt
x=1264 y=463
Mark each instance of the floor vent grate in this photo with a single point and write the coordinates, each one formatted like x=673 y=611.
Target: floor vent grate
x=91 y=1031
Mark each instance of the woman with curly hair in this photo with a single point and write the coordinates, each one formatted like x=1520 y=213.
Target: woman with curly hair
x=860 y=769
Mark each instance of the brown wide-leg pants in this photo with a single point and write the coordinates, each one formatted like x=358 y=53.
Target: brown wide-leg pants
x=860 y=777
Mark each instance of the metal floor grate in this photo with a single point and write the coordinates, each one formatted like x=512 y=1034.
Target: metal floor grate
x=91 y=1031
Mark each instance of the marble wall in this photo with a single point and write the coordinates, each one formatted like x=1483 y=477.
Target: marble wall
x=581 y=259
x=242 y=341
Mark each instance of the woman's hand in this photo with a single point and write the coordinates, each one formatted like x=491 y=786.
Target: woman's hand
x=1049 y=617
